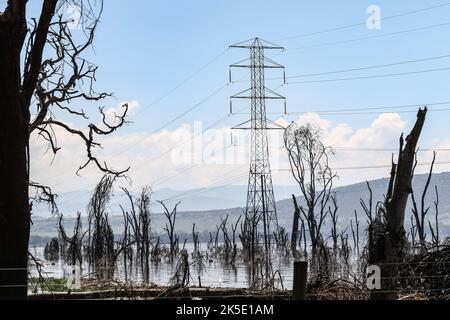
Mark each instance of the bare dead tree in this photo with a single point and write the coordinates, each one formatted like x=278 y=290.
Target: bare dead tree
x=413 y=232
x=36 y=85
x=245 y=234
x=435 y=230
x=100 y=234
x=387 y=250
x=73 y=255
x=355 y=233
x=309 y=162
x=145 y=224
x=52 y=250
x=226 y=238
x=248 y=236
x=303 y=237
x=134 y=225
x=182 y=275
x=139 y=220
x=295 y=231
x=127 y=254
x=234 y=235
x=420 y=214
x=216 y=237
x=334 y=222
x=368 y=208
x=344 y=253
x=171 y=216
x=195 y=240
x=281 y=237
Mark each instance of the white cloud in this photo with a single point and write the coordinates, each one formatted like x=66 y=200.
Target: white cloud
x=153 y=161
x=113 y=113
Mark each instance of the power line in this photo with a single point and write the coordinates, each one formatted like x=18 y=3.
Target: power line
x=183 y=82
x=357 y=149
x=366 y=67
x=380 y=108
x=190 y=139
x=187 y=111
x=373 y=166
x=211 y=189
x=187 y=140
x=221 y=179
x=354 y=69
x=181 y=171
x=191 y=109
x=337 y=113
x=214 y=186
x=372 y=77
x=362 y=23
x=361 y=110
x=173 y=175
x=326 y=44
x=365 y=113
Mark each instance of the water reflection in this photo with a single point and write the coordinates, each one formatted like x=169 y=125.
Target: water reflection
x=215 y=274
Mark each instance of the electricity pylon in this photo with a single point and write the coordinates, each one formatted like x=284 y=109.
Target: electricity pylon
x=260 y=195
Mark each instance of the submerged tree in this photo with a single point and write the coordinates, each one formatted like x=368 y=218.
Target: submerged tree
x=73 y=255
x=43 y=74
x=139 y=220
x=100 y=234
x=309 y=162
x=171 y=216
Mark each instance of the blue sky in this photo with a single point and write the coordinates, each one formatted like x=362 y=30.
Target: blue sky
x=146 y=48
x=151 y=46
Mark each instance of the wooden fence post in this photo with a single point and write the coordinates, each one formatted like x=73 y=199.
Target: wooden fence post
x=300 y=280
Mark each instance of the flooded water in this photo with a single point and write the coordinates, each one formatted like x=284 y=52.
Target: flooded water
x=215 y=274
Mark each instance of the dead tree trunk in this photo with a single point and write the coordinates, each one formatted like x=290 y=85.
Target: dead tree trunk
x=420 y=214
x=387 y=250
x=170 y=228
x=14 y=207
x=42 y=68
x=294 y=235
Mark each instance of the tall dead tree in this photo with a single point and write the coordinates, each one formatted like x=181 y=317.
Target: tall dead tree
x=43 y=73
x=435 y=230
x=387 y=249
x=334 y=223
x=234 y=230
x=145 y=223
x=420 y=213
x=295 y=231
x=139 y=220
x=170 y=228
x=73 y=255
x=309 y=162
x=100 y=233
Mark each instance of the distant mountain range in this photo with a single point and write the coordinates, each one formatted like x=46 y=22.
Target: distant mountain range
x=206 y=209
x=222 y=197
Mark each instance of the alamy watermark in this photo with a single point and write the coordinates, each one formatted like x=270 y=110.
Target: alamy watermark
x=373 y=278
x=220 y=146
x=374 y=19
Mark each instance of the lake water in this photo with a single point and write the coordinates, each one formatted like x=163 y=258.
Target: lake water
x=215 y=273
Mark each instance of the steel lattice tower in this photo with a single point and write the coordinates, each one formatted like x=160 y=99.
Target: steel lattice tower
x=260 y=195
